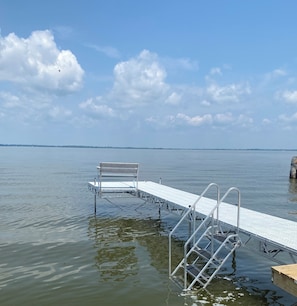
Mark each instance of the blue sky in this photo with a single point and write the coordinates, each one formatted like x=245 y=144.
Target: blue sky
x=183 y=74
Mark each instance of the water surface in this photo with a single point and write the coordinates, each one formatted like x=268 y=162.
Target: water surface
x=54 y=250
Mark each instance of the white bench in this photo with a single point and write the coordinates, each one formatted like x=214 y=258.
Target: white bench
x=115 y=177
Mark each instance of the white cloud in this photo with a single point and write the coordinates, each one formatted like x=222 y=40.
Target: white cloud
x=9 y=100
x=224 y=118
x=27 y=108
x=278 y=73
x=180 y=64
x=266 y=121
x=275 y=74
x=106 y=50
x=64 y=32
x=173 y=99
x=244 y=120
x=212 y=120
x=36 y=62
x=139 y=81
x=196 y=120
x=288 y=119
x=95 y=106
x=228 y=93
x=205 y=103
x=216 y=71
x=288 y=96
x=58 y=112
x=186 y=64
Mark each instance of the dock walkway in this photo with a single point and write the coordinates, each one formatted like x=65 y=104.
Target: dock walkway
x=280 y=233
x=274 y=237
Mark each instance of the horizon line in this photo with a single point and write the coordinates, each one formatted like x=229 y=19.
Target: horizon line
x=136 y=147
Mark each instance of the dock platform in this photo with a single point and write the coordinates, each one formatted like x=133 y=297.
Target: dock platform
x=274 y=237
x=285 y=277
x=279 y=232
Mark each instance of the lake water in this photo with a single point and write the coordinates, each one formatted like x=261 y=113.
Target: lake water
x=55 y=251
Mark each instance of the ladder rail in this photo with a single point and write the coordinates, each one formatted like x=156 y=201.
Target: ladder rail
x=191 y=239
x=188 y=252
x=221 y=242
x=170 y=238
x=190 y=210
x=214 y=258
x=238 y=203
x=200 y=197
x=213 y=255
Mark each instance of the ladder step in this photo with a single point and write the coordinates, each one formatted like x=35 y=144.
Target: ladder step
x=222 y=238
x=203 y=253
x=207 y=255
x=194 y=271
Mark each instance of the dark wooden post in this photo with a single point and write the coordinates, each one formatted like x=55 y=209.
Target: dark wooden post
x=293 y=171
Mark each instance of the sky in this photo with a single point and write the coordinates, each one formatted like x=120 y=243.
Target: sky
x=215 y=74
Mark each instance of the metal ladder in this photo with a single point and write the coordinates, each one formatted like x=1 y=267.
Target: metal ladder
x=208 y=248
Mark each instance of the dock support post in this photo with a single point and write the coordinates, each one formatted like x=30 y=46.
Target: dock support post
x=191 y=231
x=293 y=171
x=95 y=196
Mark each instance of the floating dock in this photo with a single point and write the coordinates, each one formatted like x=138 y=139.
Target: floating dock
x=217 y=227
x=285 y=277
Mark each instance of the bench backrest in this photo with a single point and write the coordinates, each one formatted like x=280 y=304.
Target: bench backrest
x=115 y=169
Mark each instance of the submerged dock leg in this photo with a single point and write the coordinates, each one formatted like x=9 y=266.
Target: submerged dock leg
x=293 y=171
x=95 y=197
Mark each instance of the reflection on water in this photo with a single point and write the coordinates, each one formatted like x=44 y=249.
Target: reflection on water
x=120 y=242
x=129 y=250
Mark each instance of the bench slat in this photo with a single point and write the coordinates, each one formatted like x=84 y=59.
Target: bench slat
x=109 y=171
x=119 y=165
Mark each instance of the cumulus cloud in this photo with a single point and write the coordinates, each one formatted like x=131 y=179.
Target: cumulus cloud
x=36 y=62
x=97 y=108
x=288 y=119
x=244 y=120
x=224 y=118
x=173 y=99
x=228 y=93
x=216 y=71
x=26 y=108
x=266 y=121
x=140 y=86
x=58 y=112
x=196 y=120
x=139 y=81
x=213 y=120
x=275 y=74
x=9 y=100
x=288 y=96
x=205 y=103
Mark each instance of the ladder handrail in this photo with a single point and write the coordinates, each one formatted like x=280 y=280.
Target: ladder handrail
x=209 y=216
x=191 y=208
x=170 y=237
x=212 y=222
x=202 y=194
x=238 y=204
x=186 y=253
